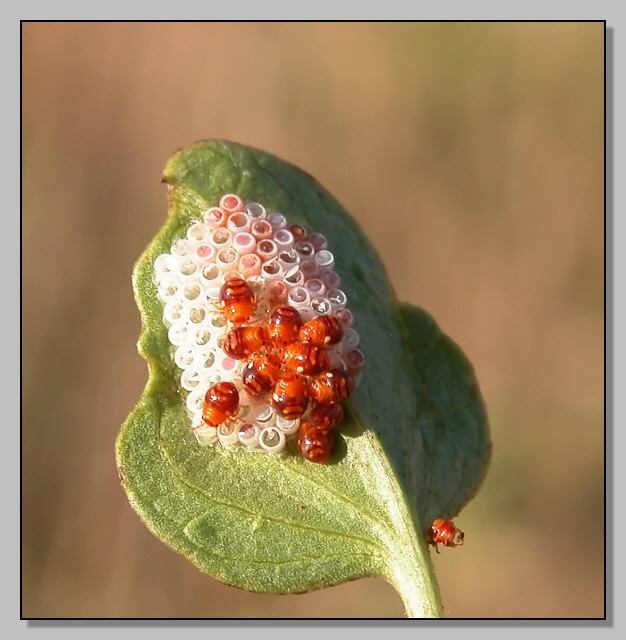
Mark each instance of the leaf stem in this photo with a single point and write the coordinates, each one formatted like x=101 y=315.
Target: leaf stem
x=412 y=573
x=419 y=591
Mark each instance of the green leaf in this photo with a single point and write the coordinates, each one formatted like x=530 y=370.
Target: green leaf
x=414 y=444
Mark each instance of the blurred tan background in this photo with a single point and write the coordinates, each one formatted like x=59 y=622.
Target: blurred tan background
x=491 y=137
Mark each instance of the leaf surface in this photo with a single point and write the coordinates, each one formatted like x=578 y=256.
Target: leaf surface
x=414 y=444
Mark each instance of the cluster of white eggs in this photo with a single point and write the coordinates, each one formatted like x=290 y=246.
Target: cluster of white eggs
x=284 y=265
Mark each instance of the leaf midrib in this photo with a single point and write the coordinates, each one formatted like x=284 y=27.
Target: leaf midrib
x=333 y=492
x=384 y=537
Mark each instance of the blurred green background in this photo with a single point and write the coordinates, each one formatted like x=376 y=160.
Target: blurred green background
x=472 y=156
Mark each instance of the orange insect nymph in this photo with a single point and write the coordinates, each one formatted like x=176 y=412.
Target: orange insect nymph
x=314 y=444
x=322 y=330
x=260 y=374
x=290 y=397
x=332 y=386
x=220 y=403
x=241 y=341
x=283 y=325
x=326 y=416
x=445 y=532
x=305 y=358
x=237 y=300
